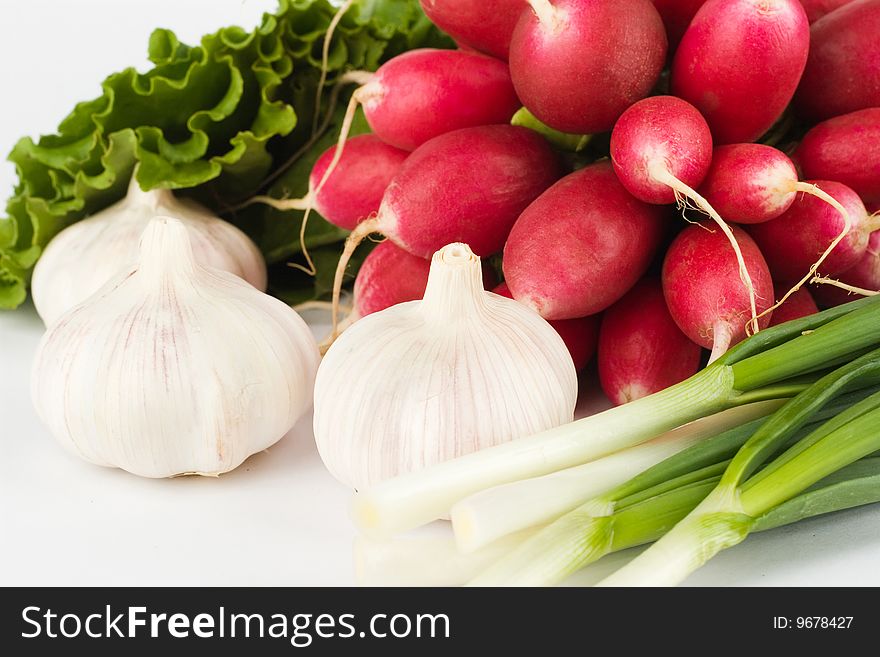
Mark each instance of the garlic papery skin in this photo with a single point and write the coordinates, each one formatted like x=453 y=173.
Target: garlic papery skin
x=85 y=255
x=172 y=367
x=425 y=381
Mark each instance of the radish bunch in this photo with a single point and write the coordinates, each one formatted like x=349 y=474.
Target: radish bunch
x=594 y=239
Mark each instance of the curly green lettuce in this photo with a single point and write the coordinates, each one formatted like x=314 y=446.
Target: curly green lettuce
x=216 y=120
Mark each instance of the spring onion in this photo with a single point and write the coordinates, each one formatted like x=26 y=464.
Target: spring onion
x=635 y=512
x=495 y=512
x=852 y=486
x=744 y=493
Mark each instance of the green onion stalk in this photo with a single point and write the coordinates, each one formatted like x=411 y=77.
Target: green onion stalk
x=636 y=512
x=746 y=491
x=487 y=516
x=774 y=363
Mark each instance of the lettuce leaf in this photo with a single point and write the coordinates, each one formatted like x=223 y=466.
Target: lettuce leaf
x=214 y=120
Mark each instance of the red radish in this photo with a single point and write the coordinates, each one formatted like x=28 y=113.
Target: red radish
x=862 y=277
x=579 y=334
x=581 y=245
x=799 y=304
x=702 y=287
x=677 y=15
x=661 y=148
x=816 y=9
x=739 y=63
x=485 y=25
x=750 y=183
x=659 y=143
x=641 y=349
x=388 y=276
x=577 y=64
x=419 y=95
x=424 y=93
x=355 y=188
x=792 y=242
x=754 y=183
x=464 y=186
x=843 y=71
x=846 y=149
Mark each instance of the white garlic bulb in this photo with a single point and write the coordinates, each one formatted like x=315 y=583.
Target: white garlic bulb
x=425 y=381
x=85 y=255
x=174 y=368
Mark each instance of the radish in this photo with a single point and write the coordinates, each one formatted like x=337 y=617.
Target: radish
x=581 y=245
x=816 y=9
x=661 y=148
x=390 y=275
x=486 y=25
x=861 y=278
x=751 y=183
x=579 y=334
x=677 y=15
x=754 y=183
x=464 y=186
x=424 y=93
x=355 y=188
x=577 y=64
x=846 y=149
x=703 y=291
x=739 y=63
x=798 y=304
x=810 y=226
x=843 y=70
x=641 y=349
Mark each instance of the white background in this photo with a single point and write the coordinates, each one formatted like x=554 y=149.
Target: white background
x=280 y=519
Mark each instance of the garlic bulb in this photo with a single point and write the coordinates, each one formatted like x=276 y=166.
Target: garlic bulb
x=174 y=368
x=425 y=381
x=85 y=255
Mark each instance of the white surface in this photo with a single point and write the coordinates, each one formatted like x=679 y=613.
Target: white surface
x=280 y=519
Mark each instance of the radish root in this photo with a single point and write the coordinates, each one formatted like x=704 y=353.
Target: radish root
x=281 y=203
x=660 y=173
x=843 y=286
x=319 y=305
x=547 y=14
x=344 y=79
x=359 y=78
x=325 y=56
x=305 y=203
x=351 y=316
x=327 y=342
x=344 y=129
x=807 y=188
x=720 y=341
x=361 y=231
